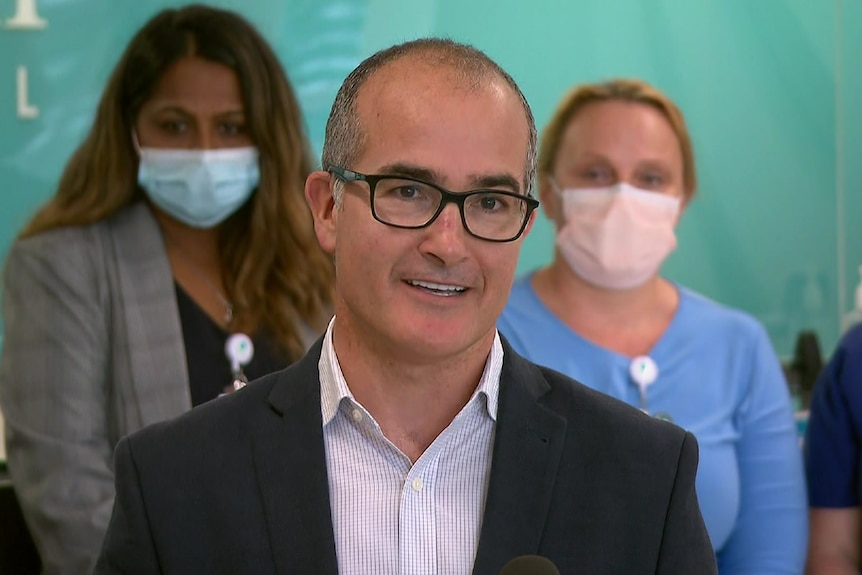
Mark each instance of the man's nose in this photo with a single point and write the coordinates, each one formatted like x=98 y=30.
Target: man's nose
x=445 y=237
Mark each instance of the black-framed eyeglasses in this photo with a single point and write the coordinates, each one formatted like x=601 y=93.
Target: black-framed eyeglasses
x=401 y=202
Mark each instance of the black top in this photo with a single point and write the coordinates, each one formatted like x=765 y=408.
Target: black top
x=209 y=369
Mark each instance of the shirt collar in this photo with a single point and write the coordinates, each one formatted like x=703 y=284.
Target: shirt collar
x=334 y=388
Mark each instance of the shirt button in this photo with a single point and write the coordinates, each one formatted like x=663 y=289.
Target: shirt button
x=357 y=415
x=416 y=484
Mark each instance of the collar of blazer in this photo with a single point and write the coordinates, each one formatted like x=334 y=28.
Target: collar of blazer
x=145 y=310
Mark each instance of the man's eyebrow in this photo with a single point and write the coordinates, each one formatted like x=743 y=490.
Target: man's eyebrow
x=496 y=181
x=477 y=181
x=409 y=171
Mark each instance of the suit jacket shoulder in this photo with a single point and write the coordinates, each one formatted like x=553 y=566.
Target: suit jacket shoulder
x=237 y=485
x=589 y=482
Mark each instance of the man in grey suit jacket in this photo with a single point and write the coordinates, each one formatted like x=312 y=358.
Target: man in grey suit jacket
x=412 y=438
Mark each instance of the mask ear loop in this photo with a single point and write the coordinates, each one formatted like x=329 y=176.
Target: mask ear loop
x=135 y=142
x=559 y=192
x=555 y=186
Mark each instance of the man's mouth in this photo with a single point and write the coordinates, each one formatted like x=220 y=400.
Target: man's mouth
x=444 y=290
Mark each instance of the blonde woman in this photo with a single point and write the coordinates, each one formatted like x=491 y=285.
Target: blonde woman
x=616 y=170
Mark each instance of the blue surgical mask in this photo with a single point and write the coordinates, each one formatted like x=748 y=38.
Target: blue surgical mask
x=200 y=188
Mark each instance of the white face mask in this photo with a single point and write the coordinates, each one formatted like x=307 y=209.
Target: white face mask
x=201 y=188
x=617 y=237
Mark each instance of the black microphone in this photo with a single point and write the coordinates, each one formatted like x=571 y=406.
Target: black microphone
x=530 y=565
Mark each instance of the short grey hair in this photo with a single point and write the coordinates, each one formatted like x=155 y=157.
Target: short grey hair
x=345 y=136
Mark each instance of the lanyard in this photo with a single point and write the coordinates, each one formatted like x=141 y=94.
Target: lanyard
x=643 y=371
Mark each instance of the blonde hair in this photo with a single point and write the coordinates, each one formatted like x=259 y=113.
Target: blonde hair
x=274 y=271
x=625 y=90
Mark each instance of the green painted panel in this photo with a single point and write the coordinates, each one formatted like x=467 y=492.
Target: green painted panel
x=755 y=79
x=849 y=138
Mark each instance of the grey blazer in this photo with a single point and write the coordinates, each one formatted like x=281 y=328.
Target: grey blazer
x=240 y=485
x=92 y=351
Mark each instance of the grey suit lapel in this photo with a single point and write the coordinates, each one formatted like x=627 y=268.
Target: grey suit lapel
x=290 y=462
x=148 y=312
x=527 y=450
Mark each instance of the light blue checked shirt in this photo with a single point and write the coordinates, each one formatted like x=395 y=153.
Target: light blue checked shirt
x=394 y=517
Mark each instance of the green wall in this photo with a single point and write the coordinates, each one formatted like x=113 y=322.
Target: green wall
x=849 y=138
x=774 y=228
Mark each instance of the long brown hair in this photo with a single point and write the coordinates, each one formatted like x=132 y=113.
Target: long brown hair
x=274 y=271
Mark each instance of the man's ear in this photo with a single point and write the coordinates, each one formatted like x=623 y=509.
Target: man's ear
x=318 y=194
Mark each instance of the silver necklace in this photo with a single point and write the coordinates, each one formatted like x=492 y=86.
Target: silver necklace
x=228 y=307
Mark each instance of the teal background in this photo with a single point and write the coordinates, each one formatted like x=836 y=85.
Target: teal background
x=771 y=90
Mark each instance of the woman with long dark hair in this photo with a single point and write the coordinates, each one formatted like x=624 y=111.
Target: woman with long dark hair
x=176 y=257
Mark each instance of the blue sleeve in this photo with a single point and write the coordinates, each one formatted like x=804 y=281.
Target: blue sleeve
x=771 y=531
x=832 y=442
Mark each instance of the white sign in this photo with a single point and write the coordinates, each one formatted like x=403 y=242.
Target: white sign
x=26 y=17
x=26 y=111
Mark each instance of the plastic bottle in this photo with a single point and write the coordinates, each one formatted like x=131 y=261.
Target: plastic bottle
x=854 y=316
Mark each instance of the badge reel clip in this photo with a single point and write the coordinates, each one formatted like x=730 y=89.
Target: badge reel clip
x=643 y=371
x=239 y=351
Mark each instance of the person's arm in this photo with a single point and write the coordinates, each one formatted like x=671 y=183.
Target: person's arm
x=834 y=542
x=770 y=534
x=128 y=547
x=685 y=546
x=53 y=391
x=832 y=463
